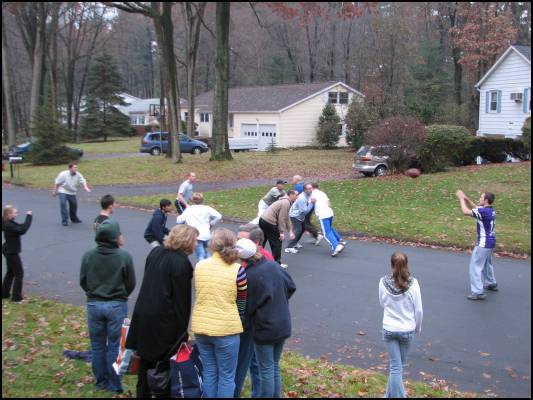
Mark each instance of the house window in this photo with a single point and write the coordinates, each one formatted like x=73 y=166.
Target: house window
x=137 y=119
x=332 y=97
x=343 y=98
x=493 y=106
x=204 y=117
x=186 y=115
x=231 y=120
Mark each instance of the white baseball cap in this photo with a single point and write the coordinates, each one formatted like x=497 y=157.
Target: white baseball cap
x=246 y=248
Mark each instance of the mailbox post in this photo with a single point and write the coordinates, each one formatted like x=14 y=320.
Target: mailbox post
x=13 y=160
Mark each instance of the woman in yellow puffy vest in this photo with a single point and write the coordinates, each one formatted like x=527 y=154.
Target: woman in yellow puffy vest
x=220 y=285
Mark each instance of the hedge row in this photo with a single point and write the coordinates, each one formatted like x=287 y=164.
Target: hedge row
x=448 y=145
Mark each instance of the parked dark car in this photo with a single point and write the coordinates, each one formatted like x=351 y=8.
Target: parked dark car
x=22 y=149
x=155 y=143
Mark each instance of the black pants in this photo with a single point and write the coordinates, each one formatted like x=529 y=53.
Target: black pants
x=272 y=236
x=298 y=227
x=180 y=207
x=309 y=227
x=15 y=273
x=143 y=390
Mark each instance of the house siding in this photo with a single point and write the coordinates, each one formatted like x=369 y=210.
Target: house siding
x=299 y=123
x=513 y=75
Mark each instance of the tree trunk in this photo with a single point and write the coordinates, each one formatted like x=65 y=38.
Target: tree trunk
x=38 y=63
x=456 y=55
x=220 y=149
x=6 y=84
x=165 y=33
x=347 y=50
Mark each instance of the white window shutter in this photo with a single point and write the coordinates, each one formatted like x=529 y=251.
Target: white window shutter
x=499 y=104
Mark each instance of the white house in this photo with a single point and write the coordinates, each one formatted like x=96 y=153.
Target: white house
x=505 y=94
x=285 y=114
x=141 y=111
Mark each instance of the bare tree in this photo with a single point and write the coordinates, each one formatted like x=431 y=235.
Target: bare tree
x=220 y=148
x=161 y=14
x=6 y=85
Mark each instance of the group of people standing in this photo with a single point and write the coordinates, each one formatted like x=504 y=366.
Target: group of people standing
x=240 y=316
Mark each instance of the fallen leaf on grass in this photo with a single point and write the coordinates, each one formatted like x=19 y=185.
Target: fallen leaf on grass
x=292 y=394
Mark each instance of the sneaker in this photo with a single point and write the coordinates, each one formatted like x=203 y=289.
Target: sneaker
x=17 y=301
x=318 y=239
x=476 y=296
x=298 y=246
x=291 y=250
x=493 y=288
x=78 y=221
x=338 y=249
x=343 y=242
x=64 y=223
x=284 y=266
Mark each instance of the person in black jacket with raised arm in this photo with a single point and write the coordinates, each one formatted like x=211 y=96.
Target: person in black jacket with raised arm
x=11 y=250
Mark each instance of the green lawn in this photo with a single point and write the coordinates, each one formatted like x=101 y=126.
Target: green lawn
x=423 y=209
x=250 y=165
x=35 y=334
x=113 y=145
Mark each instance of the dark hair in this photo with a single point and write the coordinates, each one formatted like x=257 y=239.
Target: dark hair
x=400 y=269
x=71 y=165
x=248 y=228
x=106 y=201
x=308 y=184
x=164 y=203
x=315 y=185
x=291 y=191
x=257 y=235
x=489 y=197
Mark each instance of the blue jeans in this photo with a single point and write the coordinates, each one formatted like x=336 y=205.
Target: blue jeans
x=219 y=357
x=201 y=250
x=247 y=360
x=398 y=344
x=72 y=207
x=268 y=356
x=105 y=326
x=329 y=232
x=481 y=269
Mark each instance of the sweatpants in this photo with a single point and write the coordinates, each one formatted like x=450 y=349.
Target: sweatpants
x=330 y=234
x=481 y=269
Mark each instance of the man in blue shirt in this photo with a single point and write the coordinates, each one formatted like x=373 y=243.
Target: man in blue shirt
x=481 y=268
x=302 y=207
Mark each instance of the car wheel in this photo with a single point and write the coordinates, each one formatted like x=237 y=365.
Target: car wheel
x=155 y=151
x=196 y=150
x=380 y=171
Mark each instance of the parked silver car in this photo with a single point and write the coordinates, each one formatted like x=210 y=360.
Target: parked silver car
x=372 y=160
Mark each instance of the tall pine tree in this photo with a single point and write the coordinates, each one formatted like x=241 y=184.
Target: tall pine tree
x=329 y=128
x=102 y=119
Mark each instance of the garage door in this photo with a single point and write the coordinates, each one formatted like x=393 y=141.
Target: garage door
x=266 y=134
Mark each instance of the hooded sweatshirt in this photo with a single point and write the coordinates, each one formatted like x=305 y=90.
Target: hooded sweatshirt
x=402 y=308
x=107 y=272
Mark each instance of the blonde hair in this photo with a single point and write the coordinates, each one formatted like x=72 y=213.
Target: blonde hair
x=182 y=237
x=7 y=210
x=400 y=269
x=223 y=242
x=197 y=198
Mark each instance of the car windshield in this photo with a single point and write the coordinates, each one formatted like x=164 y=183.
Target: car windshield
x=363 y=150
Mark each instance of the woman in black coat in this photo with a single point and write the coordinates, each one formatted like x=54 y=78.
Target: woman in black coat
x=11 y=250
x=161 y=314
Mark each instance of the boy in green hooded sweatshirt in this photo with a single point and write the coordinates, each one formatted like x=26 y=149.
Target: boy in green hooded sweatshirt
x=107 y=276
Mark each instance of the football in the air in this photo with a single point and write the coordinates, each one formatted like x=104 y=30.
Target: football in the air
x=413 y=172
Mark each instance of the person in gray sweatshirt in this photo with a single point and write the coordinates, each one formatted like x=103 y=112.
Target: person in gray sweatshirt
x=300 y=209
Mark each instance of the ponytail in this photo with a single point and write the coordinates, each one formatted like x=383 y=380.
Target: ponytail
x=400 y=270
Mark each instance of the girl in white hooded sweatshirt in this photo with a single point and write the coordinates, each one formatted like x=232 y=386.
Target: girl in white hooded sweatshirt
x=399 y=295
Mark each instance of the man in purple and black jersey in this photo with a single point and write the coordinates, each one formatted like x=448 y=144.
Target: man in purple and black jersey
x=481 y=268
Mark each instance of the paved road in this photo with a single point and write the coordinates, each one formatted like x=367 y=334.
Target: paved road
x=478 y=346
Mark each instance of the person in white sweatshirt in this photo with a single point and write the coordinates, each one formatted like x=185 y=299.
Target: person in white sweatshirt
x=201 y=217
x=399 y=295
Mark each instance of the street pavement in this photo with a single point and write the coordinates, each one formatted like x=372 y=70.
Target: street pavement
x=482 y=346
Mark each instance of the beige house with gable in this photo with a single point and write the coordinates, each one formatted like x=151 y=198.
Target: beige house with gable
x=285 y=114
